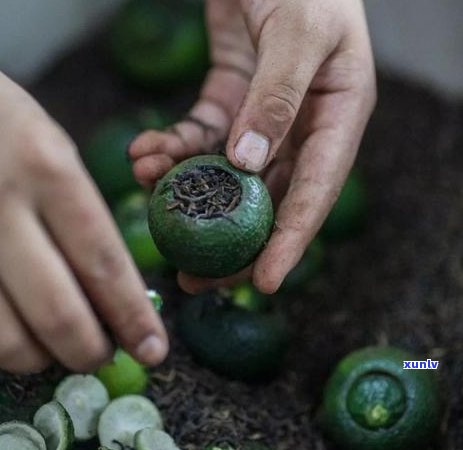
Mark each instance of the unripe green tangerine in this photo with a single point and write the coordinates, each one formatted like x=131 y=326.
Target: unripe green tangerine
x=371 y=403
x=376 y=400
x=209 y=218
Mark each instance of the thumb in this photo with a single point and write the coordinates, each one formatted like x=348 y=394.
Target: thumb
x=290 y=51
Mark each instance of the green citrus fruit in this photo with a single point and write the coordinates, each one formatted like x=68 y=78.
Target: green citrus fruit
x=156 y=44
x=372 y=403
x=123 y=375
x=349 y=214
x=307 y=268
x=131 y=215
x=105 y=156
x=208 y=218
x=232 y=340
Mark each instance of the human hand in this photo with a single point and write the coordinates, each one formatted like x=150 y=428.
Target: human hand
x=292 y=86
x=62 y=262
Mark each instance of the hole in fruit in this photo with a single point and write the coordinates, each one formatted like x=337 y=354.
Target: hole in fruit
x=205 y=192
x=376 y=400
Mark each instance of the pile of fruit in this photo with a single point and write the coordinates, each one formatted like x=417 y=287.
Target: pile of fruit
x=209 y=219
x=82 y=410
x=369 y=403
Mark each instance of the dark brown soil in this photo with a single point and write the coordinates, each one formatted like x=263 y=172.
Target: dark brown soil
x=400 y=282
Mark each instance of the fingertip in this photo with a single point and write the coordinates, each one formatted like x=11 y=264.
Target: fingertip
x=250 y=151
x=140 y=171
x=193 y=285
x=138 y=146
x=265 y=282
x=271 y=269
x=148 y=169
x=152 y=345
x=139 y=329
x=145 y=143
x=152 y=350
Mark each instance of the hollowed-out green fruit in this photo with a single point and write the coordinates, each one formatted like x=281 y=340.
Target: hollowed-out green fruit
x=211 y=247
x=372 y=403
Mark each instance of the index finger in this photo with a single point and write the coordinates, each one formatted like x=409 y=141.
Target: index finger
x=83 y=229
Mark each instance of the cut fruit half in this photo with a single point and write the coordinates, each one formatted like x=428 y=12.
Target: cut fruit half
x=123 y=417
x=154 y=439
x=16 y=435
x=55 y=424
x=84 y=397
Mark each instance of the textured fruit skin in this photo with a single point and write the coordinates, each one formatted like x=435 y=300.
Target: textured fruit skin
x=349 y=213
x=376 y=401
x=232 y=341
x=212 y=247
x=418 y=424
x=123 y=375
x=156 y=45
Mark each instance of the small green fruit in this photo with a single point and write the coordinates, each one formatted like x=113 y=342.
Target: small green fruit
x=123 y=376
x=372 y=403
x=231 y=340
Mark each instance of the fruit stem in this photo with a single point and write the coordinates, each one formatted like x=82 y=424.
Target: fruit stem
x=377 y=416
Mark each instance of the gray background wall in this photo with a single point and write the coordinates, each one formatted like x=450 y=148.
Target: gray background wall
x=420 y=39
x=34 y=32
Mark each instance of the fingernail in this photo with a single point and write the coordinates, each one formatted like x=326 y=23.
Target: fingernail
x=252 y=150
x=151 y=350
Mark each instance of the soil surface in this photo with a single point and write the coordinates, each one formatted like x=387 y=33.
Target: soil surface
x=400 y=282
